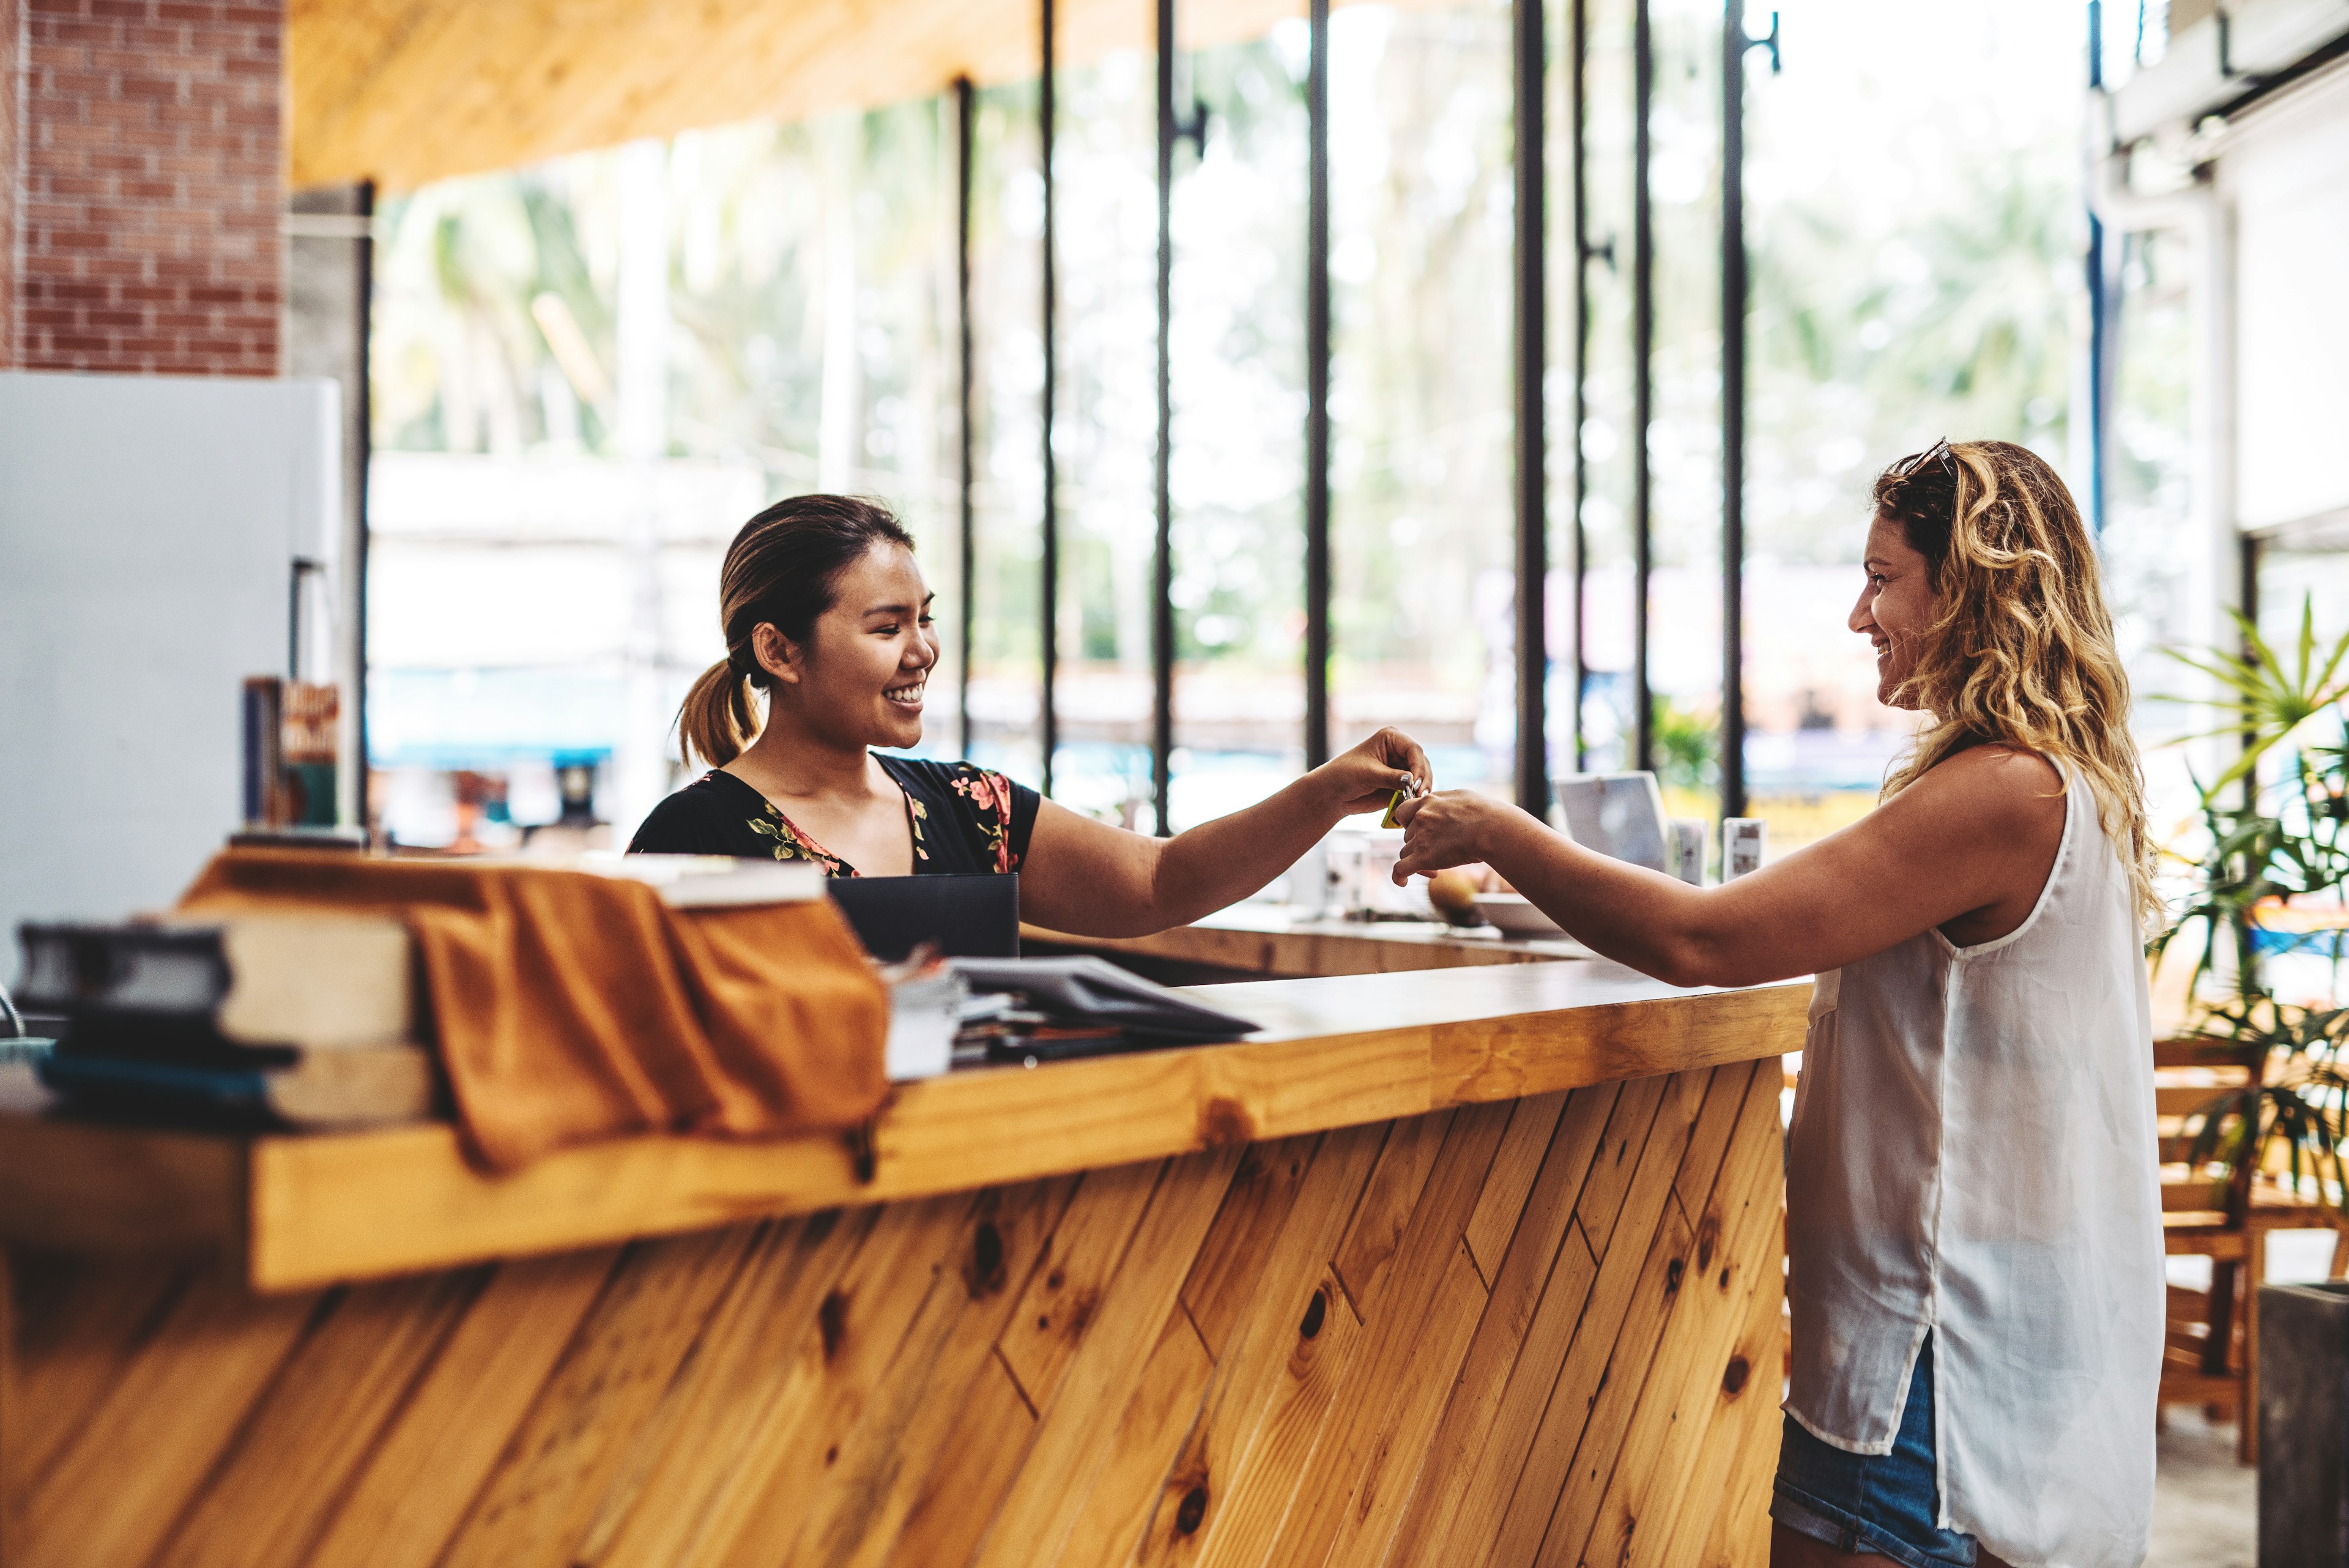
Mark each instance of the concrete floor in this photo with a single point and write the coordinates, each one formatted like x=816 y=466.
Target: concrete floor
x=2205 y=1505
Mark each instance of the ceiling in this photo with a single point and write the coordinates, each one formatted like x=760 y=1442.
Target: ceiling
x=407 y=91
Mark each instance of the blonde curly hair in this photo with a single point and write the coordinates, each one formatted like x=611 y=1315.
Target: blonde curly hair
x=2021 y=654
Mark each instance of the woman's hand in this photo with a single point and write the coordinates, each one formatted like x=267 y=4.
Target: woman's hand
x=1365 y=778
x=1092 y=879
x=1458 y=827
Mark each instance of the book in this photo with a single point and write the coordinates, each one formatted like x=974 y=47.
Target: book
x=302 y=1020
x=266 y=982
x=365 y=1085
x=291 y=746
x=701 y=881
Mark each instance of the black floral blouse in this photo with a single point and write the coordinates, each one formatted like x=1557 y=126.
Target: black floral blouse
x=962 y=818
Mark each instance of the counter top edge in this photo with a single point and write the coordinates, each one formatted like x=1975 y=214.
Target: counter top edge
x=309 y=1210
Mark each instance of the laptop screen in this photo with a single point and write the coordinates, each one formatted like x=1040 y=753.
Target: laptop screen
x=968 y=915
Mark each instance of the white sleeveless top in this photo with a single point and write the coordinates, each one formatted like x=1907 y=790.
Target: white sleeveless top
x=1972 y=1153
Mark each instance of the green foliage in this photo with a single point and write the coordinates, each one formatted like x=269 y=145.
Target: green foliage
x=1688 y=747
x=2267 y=704
x=2304 y=1106
x=2286 y=841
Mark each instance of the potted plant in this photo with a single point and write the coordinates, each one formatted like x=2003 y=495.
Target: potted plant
x=2269 y=881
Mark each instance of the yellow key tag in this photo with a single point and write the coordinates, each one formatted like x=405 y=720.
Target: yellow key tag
x=1409 y=791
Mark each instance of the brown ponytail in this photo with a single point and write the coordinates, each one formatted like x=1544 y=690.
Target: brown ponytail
x=716 y=722
x=780 y=571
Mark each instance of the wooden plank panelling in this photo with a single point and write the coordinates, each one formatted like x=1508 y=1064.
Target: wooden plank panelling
x=175 y=1405
x=1290 y=1327
x=430 y=1462
x=1542 y=1331
x=320 y=1420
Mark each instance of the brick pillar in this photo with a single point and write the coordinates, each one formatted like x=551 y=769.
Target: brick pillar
x=148 y=186
x=12 y=53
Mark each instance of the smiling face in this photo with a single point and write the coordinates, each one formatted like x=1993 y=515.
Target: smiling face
x=1897 y=607
x=860 y=675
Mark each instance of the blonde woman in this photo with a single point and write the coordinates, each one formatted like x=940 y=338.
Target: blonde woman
x=1973 y=1227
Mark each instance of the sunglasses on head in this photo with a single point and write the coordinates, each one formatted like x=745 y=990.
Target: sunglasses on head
x=1938 y=453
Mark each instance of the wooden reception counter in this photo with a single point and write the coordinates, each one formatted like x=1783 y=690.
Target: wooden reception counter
x=1472 y=1265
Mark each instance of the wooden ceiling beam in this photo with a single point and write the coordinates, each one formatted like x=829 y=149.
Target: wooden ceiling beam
x=409 y=91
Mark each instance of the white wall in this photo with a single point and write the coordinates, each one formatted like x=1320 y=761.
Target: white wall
x=147 y=530
x=2284 y=168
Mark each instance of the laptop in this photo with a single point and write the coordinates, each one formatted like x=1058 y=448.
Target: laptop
x=966 y=914
x=1622 y=815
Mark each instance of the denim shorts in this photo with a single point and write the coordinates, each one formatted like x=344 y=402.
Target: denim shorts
x=1873 y=1502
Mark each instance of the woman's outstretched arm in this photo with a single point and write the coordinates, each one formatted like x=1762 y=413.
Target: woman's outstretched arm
x=1974 y=839
x=1089 y=879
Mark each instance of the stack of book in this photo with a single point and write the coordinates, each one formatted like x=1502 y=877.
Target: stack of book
x=304 y=1022
x=308 y=1019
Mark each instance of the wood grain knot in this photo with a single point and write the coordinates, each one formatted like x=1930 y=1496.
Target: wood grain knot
x=1673 y=1272
x=864 y=1150
x=1191 y=1511
x=1315 y=1311
x=1733 y=1382
x=985 y=1273
x=831 y=1322
x=1224 y=1122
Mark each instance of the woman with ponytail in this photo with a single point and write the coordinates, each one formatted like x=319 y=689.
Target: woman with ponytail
x=829 y=645
x=1974 y=1224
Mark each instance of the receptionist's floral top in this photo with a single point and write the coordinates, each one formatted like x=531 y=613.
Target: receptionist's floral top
x=961 y=818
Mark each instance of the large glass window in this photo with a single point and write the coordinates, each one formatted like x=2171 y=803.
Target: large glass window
x=2164 y=583
x=1105 y=176
x=1684 y=602
x=587 y=376
x=589 y=372
x=1007 y=662
x=1608 y=442
x=1422 y=227
x=1239 y=470
x=1915 y=236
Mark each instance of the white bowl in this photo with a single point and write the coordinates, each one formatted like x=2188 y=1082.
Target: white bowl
x=1516 y=915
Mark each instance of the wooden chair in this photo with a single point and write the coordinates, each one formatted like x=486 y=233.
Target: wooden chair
x=2212 y=1350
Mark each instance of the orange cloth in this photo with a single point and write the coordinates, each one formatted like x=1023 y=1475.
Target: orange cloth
x=572 y=1007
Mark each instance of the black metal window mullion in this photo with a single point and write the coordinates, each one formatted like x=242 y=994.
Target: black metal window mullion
x=1532 y=358
x=1050 y=613
x=1172 y=129
x=1162 y=608
x=1316 y=385
x=1733 y=45
x=1644 y=342
x=365 y=424
x=2104 y=301
x=1577 y=59
x=966 y=98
